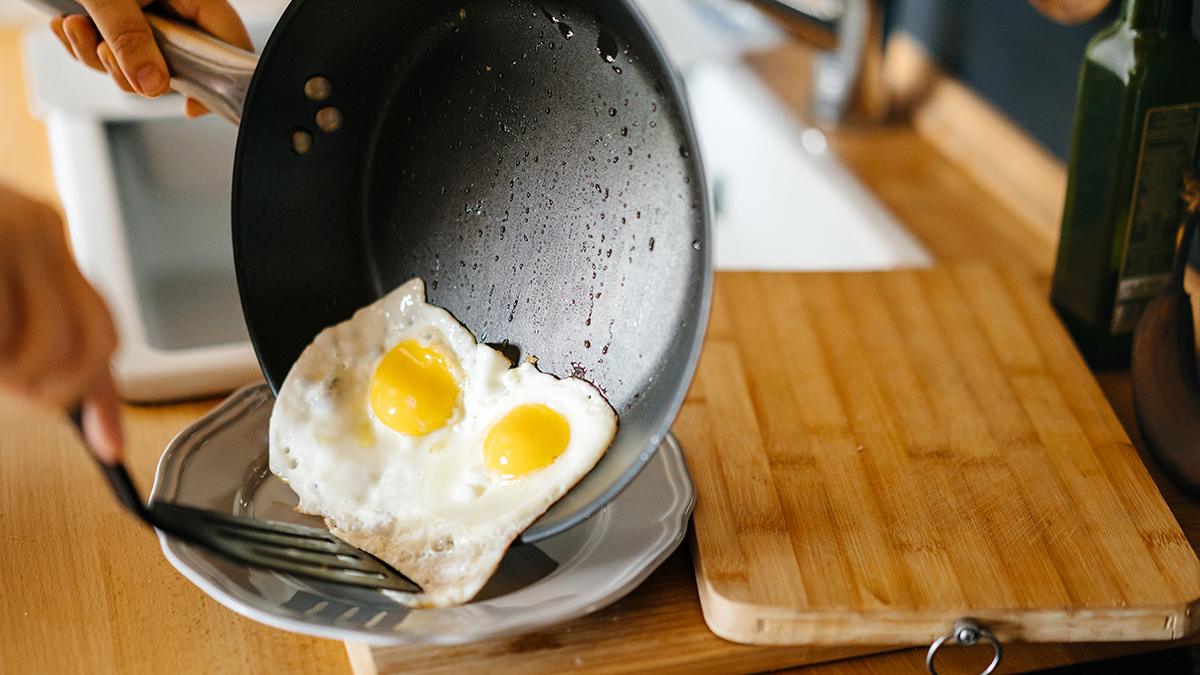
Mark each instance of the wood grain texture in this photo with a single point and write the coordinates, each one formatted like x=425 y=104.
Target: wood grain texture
x=903 y=357
x=651 y=630
x=84 y=588
x=659 y=628
x=879 y=454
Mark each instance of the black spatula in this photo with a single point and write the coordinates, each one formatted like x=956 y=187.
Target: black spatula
x=295 y=549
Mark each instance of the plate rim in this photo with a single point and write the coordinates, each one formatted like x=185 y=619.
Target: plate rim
x=666 y=536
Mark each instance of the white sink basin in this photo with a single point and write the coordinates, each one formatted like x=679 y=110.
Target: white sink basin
x=781 y=202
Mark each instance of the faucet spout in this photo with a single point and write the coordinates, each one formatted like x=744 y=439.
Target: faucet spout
x=847 y=76
x=816 y=22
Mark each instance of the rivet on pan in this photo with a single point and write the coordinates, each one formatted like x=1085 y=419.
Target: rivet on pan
x=317 y=88
x=329 y=119
x=301 y=141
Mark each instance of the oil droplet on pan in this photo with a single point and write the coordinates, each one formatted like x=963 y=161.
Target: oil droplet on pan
x=606 y=44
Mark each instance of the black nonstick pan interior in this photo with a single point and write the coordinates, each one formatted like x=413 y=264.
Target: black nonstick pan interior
x=532 y=162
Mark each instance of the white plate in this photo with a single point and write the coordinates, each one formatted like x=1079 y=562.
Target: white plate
x=220 y=463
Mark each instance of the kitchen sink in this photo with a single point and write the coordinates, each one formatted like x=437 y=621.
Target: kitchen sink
x=781 y=201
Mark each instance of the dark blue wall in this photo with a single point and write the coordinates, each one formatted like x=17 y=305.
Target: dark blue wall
x=1024 y=63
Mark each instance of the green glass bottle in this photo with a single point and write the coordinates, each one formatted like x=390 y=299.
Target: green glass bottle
x=1136 y=124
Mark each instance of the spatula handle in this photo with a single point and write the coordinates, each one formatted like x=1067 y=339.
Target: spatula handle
x=118 y=477
x=122 y=487
x=202 y=67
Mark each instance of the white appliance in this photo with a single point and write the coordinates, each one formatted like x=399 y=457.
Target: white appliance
x=146 y=195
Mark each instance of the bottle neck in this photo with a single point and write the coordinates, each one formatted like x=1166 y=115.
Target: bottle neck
x=1161 y=16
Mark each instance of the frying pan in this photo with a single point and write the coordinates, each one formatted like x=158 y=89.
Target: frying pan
x=532 y=161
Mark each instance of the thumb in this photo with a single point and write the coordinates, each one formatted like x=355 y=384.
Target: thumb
x=127 y=33
x=102 y=420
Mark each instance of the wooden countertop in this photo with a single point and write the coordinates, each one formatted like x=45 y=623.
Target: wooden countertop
x=84 y=589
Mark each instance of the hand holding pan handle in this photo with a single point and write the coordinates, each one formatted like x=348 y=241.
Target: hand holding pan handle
x=202 y=67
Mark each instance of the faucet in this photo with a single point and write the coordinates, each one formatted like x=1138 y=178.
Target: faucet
x=847 y=73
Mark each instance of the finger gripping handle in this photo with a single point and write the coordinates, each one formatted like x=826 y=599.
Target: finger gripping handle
x=201 y=66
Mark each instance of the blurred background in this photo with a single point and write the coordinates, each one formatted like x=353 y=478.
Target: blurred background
x=146 y=193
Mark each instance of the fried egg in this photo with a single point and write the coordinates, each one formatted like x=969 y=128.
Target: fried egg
x=427 y=449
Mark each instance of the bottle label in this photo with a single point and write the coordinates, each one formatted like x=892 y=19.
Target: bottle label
x=1168 y=146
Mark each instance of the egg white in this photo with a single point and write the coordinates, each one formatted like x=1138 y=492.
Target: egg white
x=427 y=505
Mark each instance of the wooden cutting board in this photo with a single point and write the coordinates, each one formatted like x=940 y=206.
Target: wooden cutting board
x=879 y=454
x=876 y=455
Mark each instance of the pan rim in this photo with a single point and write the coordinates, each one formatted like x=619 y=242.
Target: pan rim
x=696 y=289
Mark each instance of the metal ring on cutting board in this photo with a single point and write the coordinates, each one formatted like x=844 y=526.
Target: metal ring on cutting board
x=966 y=632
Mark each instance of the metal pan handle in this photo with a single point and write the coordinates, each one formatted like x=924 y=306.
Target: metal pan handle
x=212 y=72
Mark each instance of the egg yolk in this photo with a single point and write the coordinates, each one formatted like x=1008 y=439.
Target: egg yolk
x=413 y=390
x=527 y=438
